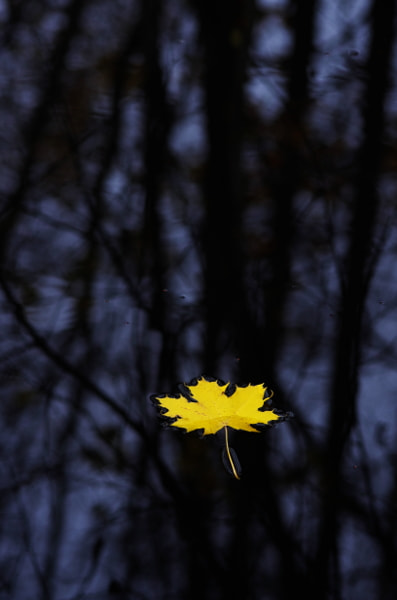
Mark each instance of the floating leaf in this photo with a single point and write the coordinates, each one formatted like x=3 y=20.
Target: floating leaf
x=209 y=405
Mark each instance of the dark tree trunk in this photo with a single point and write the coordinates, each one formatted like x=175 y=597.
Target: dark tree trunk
x=349 y=338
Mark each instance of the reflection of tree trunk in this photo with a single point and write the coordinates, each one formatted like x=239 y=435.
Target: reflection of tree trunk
x=285 y=184
x=156 y=130
x=349 y=332
x=225 y=30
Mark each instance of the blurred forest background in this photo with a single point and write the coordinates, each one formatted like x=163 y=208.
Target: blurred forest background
x=192 y=187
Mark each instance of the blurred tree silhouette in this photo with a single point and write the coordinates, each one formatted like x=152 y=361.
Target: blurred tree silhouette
x=194 y=187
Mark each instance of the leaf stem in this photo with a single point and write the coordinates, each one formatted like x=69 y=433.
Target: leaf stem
x=229 y=456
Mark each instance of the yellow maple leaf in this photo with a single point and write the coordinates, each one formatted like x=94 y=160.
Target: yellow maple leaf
x=210 y=405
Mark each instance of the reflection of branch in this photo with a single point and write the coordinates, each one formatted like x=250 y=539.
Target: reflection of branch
x=28 y=539
x=62 y=362
x=41 y=343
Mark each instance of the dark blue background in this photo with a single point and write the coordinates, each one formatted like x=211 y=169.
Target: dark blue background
x=194 y=187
